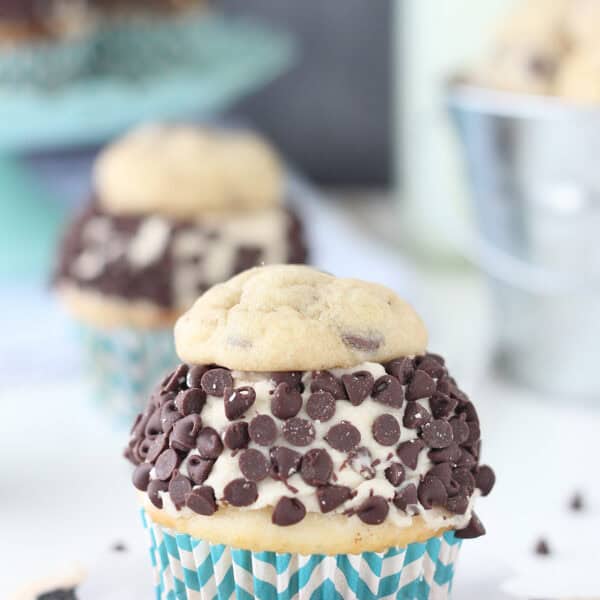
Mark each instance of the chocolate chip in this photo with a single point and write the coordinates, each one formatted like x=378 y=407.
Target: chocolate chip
x=358 y=386
x=458 y=504
x=388 y=391
x=422 y=385
x=179 y=488
x=320 y=406
x=292 y=378
x=441 y=405
x=157 y=446
x=214 y=381
x=194 y=376
x=241 y=492
x=466 y=459
x=190 y=402
x=238 y=401
x=166 y=463
x=324 y=381
x=451 y=454
x=298 y=432
x=415 y=415
x=284 y=462
x=58 y=594
x=316 y=467
x=408 y=452
x=202 y=501
x=343 y=437
x=576 y=503
x=332 y=496
x=443 y=472
x=141 y=450
x=154 y=487
x=432 y=492
x=119 y=547
x=401 y=368
x=432 y=364
x=237 y=436
x=386 y=430
x=141 y=476
x=437 y=434
x=199 y=468
x=395 y=474
x=247 y=256
x=469 y=411
x=485 y=480
x=406 y=497
x=460 y=429
x=168 y=415
x=209 y=443
x=185 y=431
x=288 y=511
x=373 y=510
x=253 y=465
x=362 y=343
x=286 y=401
x=542 y=548
x=474 y=529
x=153 y=426
x=474 y=432
x=263 y=430
x=464 y=479
x=177 y=379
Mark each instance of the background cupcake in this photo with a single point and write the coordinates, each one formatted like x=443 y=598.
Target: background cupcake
x=308 y=446
x=175 y=210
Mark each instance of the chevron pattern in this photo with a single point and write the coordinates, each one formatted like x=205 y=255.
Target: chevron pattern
x=190 y=569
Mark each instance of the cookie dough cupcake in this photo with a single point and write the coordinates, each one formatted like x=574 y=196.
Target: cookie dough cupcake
x=175 y=210
x=307 y=446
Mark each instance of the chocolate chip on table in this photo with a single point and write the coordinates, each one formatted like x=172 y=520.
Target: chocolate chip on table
x=406 y=497
x=214 y=381
x=320 y=406
x=465 y=480
x=343 y=437
x=415 y=415
x=179 y=487
x=460 y=429
x=286 y=401
x=474 y=529
x=254 y=465
x=156 y=447
x=240 y=492
x=141 y=476
x=324 y=381
x=154 y=487
x=432 y=492
x=119 y=547
x=185 y=432
x=190 y=401
x=238 y=401
x=577 y=502
x=386 y=430
x=437 y=434
x=292 y=378
x=373 y=510
x=422 y=385
x=485 y=480
x=388 y=391
x=166 y=463
x=202 y=501
x=361 y=342
x=288 y=511
x=298 y=432
x=458 y=504
x=542 y=547
x=401 y=368
x=59 y=594
x=194 y=376
x=316 y=467
x=284 y=462
x=176 y=381
x=408 y=452
x=441 y=405
x=263 y=430
x=395 y=474
x=209 y=443
x=451 y=453
x=236 y=436
x=198 y=468
x=332 y=496
x=358 y=386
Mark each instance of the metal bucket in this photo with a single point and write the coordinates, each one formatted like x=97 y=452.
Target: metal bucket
x=534 y=170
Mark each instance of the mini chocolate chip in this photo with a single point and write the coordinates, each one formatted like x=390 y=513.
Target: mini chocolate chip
x=474 y=529
x=154 y=487
x=386 y=430
x=194 y=376
x=292 y=378
x=185 y=432
x=190 y=402
x=415 y=415
x=443 y=471
x=316 y=467
x=298 y=432
x=236 y=435
x=141 y=476
x=199 y=468
x=343 y=437
x=401 y=368
x=166 y=463
x=332 y=496
x=406 y=497
x=286 y=401
x=288 y=511
x=441 y=405
x=320 y=406
x=153 y=426
x=474 y=432
x=542 y=548
x=168 y=415
x=238 y=401
x=432 y=364
x=263 y=430
x=437 y=434
x=177 y=379
x=422 y=385
x=466 y=459
x=576 y=503
x=202 y=501
x=460 y=429
x=458 y=504
x=324 y=381
x=253 y=465
x=408 y=452
x=373 y=510
x=209 y=443
x=241 y=492
x=432 y=492
x=157 y=446
x=362 y=343
x=358 y=386
x=179 y=488
x=214 y=381
x=395 y=474
x=464 y=479
x=451 y=453
x=388 y=391
x=485 y=479
x=284 y=462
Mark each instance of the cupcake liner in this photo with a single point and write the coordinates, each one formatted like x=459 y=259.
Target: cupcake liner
x=124 y=365
x=186 y=568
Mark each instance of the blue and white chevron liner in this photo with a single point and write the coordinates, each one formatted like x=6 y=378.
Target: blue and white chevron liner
x=186 y=568
x=124 y=366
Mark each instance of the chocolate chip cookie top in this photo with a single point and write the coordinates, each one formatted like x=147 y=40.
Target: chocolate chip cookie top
x=284 y=317
x=182 y=171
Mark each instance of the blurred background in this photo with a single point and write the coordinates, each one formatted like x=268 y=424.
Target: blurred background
x=445 y=149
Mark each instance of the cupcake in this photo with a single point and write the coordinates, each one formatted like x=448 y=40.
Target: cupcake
x=175 y=210
x=307 y=446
